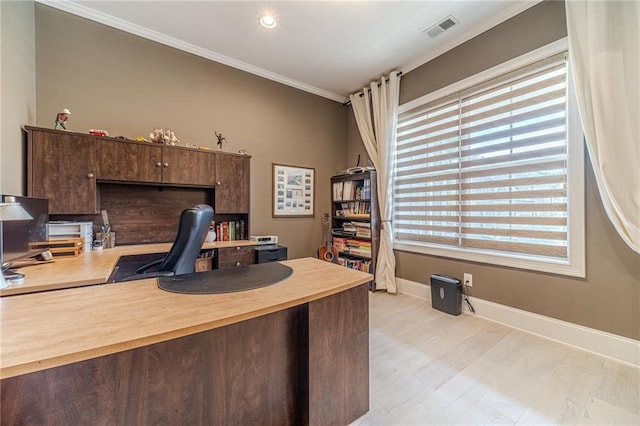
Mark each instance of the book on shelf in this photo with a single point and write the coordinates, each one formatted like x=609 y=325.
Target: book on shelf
x=339 y=232
x=364 y=245
x=339 y=191
x=363 y=229
x=360 y=265
x=363 y=233
x=361 y=224
x=347 y=227
x=353 y=229
x=360 y=251
x=367 y=189
x=351 y=246
x=361 y=191
x=352 y=190
x=347 y=191
x=243 y=235
x=358 y=208
x=225 y=231
x=357 y=247
x=230 y=230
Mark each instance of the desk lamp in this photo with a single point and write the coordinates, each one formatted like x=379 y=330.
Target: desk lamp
x=10 y=210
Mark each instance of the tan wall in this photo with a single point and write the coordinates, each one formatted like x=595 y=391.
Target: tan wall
x=126 y=85
x=537 y=26
x=609 y=298
x=355 y=146
x=17 y=86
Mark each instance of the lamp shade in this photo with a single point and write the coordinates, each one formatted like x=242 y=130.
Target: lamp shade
x=10 y=210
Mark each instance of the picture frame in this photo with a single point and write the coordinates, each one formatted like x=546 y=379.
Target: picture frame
x=293 y=191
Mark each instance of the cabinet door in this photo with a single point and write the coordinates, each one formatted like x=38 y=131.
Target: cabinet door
x=232 y=184
x=129 y=161
x=188 y=167
x=235 y=256
x=62 y=168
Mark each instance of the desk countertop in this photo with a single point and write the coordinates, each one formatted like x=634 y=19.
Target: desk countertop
x=89 y=268
x=49 y=329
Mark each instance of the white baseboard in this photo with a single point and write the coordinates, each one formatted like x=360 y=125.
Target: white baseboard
x=619 y=348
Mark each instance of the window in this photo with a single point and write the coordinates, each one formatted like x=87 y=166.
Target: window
x=491 y=169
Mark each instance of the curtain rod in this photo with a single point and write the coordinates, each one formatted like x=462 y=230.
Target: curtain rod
x=348 y=102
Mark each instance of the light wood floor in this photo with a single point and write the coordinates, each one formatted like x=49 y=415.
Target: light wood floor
x=428 y=367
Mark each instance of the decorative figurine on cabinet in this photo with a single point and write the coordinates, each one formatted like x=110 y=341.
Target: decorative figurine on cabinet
x=167 y=137
x=155 y=135
x=170 y=138
x=61 y=119
x=221 y=140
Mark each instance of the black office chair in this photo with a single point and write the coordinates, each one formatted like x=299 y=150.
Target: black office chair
x=192 y=230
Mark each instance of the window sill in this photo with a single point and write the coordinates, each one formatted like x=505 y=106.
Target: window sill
x=533 y=263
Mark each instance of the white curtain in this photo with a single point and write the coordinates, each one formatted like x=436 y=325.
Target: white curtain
x=604 y=46
x=376 y=114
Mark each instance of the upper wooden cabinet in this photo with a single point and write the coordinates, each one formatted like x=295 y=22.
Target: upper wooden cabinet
x=62 y=168
x=142 y=162
x=188 y=167
x=66 y=167
x=232 y=184
x=129 y=161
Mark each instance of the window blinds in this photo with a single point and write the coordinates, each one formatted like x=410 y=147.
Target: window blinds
x=486 y=168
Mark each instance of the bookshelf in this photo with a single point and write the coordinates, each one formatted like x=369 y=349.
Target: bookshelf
x=355 y=220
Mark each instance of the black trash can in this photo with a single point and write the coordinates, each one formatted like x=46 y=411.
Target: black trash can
x=446 y=294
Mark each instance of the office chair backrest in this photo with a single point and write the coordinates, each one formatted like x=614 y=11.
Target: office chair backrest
x=192 y=230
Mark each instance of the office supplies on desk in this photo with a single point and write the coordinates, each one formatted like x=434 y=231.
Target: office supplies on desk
x=264 y=239
x=64 y=246
x=67 y=229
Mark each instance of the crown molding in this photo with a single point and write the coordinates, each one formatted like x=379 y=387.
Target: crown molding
x=126 y=26
x=472 y=32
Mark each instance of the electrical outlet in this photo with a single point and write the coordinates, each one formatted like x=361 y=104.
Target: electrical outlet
x=468 y=280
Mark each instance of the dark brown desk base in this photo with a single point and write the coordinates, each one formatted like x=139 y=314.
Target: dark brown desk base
x=308 y=364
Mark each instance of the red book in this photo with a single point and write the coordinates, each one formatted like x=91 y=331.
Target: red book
x=225 y=231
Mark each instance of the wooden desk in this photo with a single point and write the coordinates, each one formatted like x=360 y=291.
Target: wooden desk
x=292 y=353
x=90 y=268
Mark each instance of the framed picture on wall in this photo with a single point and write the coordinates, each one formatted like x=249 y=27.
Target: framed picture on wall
x=293 y=191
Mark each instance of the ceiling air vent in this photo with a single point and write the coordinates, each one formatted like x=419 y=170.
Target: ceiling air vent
x=441 y=26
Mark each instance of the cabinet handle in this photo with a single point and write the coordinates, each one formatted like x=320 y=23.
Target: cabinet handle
x=90 y=175
x=238 y=248
x=158 y=164
x=237 y=263
x=166 y=164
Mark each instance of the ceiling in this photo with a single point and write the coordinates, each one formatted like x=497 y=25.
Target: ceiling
x=329 y=48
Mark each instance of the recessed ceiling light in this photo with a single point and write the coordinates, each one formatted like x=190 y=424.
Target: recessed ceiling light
x=268 y=21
